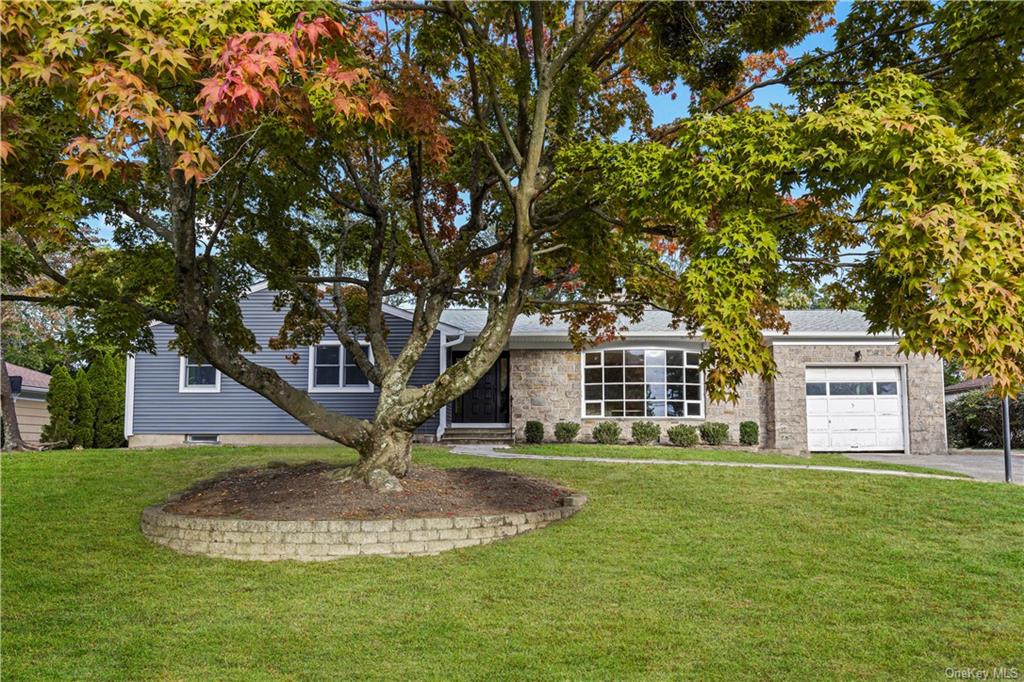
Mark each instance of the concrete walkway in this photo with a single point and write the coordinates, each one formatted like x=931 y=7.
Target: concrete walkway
x=492 y=452
x=985 y=466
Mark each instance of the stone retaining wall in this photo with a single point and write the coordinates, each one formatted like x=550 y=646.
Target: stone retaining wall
x=253 y=540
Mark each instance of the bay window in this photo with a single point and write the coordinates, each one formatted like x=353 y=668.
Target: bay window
x=642 y=382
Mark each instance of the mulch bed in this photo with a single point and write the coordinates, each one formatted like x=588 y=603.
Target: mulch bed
x=308 y=492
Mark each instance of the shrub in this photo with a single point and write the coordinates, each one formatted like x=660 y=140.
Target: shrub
x=85 y=417
x=62 y=403
x=714 y=433
x=645 y=433
x=106 y=379
x=607 y=433
x=683 y=436
x=534 y=432
x=566 y=432
x=975 y=420
x=748 y=433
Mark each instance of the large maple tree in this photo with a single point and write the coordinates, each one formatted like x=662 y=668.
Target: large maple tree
x=444 y=153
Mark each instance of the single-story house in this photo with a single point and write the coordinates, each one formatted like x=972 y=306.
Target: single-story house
x=838 y=387
x=30 y=389
x=954 y=391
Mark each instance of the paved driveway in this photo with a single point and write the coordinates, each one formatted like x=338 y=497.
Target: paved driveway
x=988 y=466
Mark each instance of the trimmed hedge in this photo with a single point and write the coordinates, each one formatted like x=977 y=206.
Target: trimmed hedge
x=683 y=436
x=748 y=433
x=534 y=432
x=566 y=432
x=714 y=433
x=607 y=433
x=645 y=433
x=62 y=404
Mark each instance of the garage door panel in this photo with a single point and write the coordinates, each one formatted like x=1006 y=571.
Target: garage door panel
x=817 y=406
x=848 y=405
x=852 y=422
x=888 y=405
x=818 y=440
x=855 y=415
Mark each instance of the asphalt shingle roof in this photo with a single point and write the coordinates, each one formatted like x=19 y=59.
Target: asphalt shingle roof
x=30 y=378
x=471 y=320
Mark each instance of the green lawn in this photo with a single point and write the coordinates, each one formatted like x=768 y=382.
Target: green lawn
x=668 y=572
x=696 y=454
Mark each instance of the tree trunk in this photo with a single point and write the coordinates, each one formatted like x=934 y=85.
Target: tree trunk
x=12 y=433
x=385 y=458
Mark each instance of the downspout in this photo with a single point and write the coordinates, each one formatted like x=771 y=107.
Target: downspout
x=442 y=415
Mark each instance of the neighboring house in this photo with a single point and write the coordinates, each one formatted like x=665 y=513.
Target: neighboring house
x=30 y=401
x=838 y=388
x=954 y=391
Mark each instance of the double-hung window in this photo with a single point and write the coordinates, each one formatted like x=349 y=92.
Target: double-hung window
x=333 y=370
x=642 y=382
x=195 y=375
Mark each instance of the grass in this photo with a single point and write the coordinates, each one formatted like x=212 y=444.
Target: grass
x=667 y=573
x=699 y=455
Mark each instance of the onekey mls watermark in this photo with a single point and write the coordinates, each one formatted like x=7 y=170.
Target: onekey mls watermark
x=991 y=673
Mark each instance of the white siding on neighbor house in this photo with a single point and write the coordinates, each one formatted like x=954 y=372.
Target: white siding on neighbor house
x=159 y=407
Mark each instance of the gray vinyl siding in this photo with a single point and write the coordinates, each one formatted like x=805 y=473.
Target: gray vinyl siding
x=161 y=409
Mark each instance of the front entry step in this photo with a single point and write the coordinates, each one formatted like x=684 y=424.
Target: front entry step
x=477 y=434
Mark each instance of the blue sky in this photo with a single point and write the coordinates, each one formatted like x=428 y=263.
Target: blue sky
x=667 y=110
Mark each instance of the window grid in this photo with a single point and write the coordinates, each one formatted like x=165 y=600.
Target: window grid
x=655 y=383
x=332 y=368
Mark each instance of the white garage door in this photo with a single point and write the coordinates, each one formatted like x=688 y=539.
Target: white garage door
x=854 y=409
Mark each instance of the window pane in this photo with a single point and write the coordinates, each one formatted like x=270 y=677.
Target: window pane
x=851 y=388
x=593 y=358
x=613 y=409
x=635 y=408
x=816 y=388
x=634 y=391
x=328 y=355
x=675 y=357
x=693 y=359
x=676 y=409
x=613 y=358
x=613 y=375
x=635 y=375
x=693 y=376
x=592 y=376
x=593 y=409
x=692 y=392
x=693 y=409
x=886 y=388
x=635 y=357
x=201 y=375
x=592 y=392
x=613 y=391
x=655 y=375
x=675 y=392
x=656 y=409
x=674 y=375
x=655 y=357
x=355 y=376
x=655 y=391
x=326 y=376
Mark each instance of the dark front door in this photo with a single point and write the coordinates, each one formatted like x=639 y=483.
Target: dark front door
x=487 y=402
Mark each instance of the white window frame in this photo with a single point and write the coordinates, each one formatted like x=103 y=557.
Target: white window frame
x=311 y=386
x=183 y=387
x=644 y=349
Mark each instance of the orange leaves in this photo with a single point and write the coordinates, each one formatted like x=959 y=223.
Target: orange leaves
x=254 y=67
x=196 y=165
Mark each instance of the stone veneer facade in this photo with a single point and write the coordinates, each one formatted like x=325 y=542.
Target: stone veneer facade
x=545 y=387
